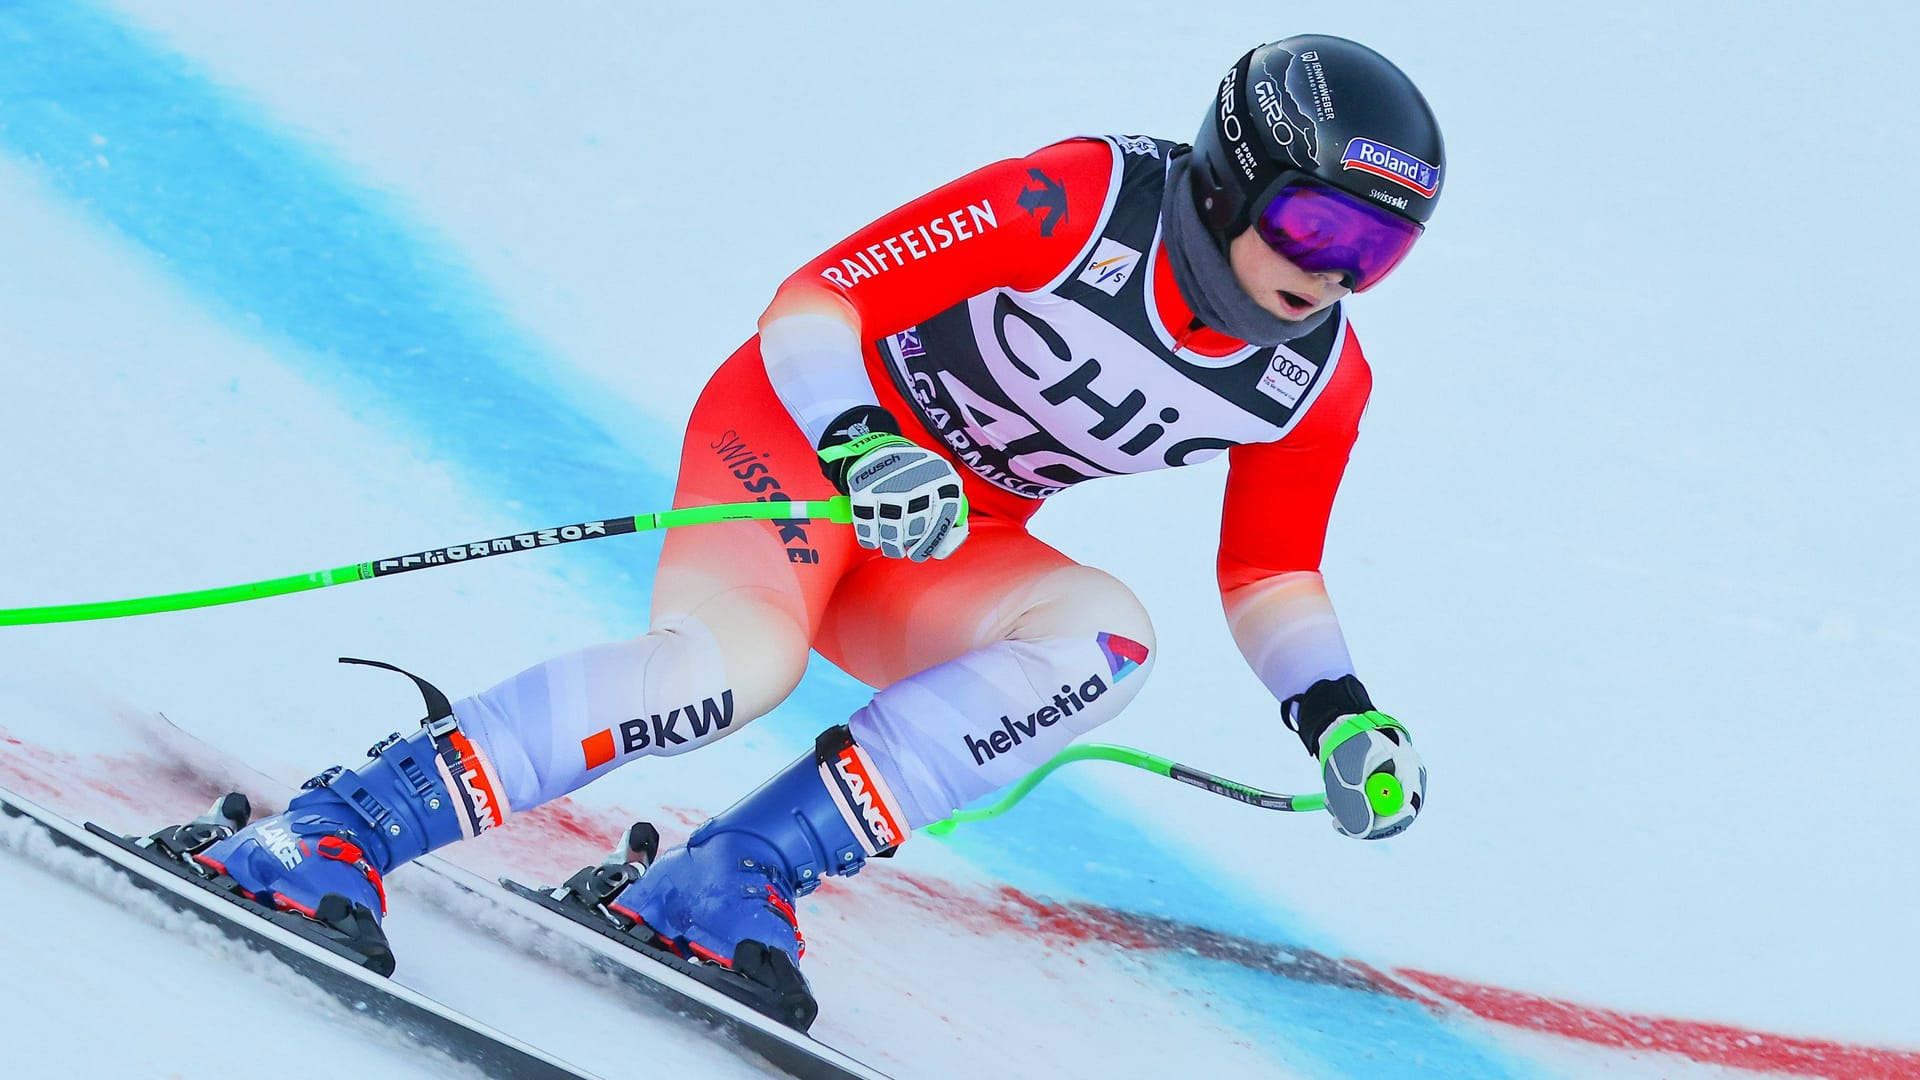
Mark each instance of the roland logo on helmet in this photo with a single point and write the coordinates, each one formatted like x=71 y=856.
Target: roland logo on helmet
x=1393 y=164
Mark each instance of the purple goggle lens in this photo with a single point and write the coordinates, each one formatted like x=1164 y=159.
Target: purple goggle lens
x=1320 y=228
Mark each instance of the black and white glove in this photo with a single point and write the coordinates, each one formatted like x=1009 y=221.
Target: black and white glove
x=907 y=500
x=1375 y=779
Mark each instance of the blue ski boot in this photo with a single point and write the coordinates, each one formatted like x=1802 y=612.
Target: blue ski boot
x=325 y=856
x=726 y=897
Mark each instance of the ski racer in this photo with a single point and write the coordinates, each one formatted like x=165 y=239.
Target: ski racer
x=1099 y=307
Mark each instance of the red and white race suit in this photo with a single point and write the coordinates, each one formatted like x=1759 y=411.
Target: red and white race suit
x=1024 y=321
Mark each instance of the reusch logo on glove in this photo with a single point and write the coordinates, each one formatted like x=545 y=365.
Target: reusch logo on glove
x=869 y=469
x=939 y=533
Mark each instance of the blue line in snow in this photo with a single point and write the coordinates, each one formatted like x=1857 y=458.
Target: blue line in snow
x=291 y=249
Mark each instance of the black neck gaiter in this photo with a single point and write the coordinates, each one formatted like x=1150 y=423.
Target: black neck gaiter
x=1205 y=277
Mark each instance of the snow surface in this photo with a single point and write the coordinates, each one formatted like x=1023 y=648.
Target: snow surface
x=1626 y=541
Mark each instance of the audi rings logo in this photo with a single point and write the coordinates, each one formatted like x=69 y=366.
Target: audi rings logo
x=1288 y=377
x=1284 y=368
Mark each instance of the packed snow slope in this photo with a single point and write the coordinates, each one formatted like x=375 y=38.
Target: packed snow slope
x=1626 y=539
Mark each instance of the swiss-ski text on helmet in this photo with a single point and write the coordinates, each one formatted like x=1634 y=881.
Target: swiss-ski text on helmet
x=1398 y=202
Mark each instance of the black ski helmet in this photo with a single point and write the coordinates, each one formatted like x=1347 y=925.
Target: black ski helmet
x=1324 y=106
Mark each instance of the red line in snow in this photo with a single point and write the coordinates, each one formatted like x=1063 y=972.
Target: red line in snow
x=562 y=830
x=1712 y=1044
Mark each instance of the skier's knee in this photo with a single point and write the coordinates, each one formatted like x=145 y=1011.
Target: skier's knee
x=561 y=723
x=1129 y=661
x=948 y=735
x=1080 y=601
x=759 y=638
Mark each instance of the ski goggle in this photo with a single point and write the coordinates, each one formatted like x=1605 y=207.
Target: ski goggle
x=1319 y=228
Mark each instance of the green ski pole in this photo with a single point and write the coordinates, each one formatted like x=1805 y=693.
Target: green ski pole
x=835 y=509
x=1139 y=759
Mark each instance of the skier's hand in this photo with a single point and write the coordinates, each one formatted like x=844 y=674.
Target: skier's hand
x=907 y=500
x=1375 y=780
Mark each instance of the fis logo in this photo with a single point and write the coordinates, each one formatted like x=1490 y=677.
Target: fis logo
x=1392 y=164
x=908 y=342
x=1110 y=267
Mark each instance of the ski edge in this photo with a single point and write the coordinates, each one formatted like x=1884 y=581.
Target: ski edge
x=794 y=1052
x=445 y=1029
x=741 y=997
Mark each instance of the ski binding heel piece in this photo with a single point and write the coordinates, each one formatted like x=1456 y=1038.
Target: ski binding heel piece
x=228 y=814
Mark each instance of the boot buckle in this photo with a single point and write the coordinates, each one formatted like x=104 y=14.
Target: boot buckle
x=325 y=779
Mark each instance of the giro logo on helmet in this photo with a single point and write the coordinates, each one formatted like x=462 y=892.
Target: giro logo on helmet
x=1291 y=128
x=1229 y=120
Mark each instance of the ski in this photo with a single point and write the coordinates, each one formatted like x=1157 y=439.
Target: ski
x=664 y=979
x=796 y=1010
x=563 y=938
x=301 y=947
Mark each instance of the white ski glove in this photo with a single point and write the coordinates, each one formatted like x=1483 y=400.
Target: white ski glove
x=1375 y=780
x=907 y=500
